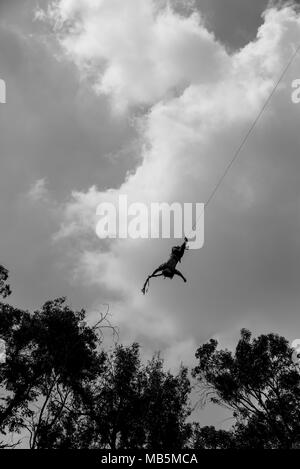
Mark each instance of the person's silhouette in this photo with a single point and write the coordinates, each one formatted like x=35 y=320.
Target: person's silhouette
x=168 y=269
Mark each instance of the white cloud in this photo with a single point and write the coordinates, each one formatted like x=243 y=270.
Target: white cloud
x=139 y=54
x=136 y=51
x=38 y=191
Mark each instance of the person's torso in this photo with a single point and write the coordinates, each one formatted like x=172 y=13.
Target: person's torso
x=172 y=262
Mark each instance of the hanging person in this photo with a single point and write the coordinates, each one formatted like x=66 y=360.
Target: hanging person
x=168 y=269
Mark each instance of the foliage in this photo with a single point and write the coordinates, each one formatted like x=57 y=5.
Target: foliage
x=62 y=389
x=260 y=384
x=4 y=287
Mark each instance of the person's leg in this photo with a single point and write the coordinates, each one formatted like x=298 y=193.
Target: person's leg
x=154 y=274
x=176 y=272
x=159 y=269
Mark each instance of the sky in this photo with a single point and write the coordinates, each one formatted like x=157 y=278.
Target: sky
x=152 y=99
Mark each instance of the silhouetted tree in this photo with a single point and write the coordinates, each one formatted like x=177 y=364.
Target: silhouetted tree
x=50 y=355
x=60 y=386
x=260 y=384
x=131 y=406
x=4 y=287
x=210 y=438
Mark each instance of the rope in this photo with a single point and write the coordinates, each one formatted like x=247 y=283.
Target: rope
x=238 y=151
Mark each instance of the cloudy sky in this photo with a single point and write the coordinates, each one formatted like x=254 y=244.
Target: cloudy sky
x=151 y=98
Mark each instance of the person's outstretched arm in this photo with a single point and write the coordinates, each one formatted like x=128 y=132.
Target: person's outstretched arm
x=183 y=248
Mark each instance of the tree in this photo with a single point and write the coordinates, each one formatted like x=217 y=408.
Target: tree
x=260 y=384
x=51 y=354
x=210 y=438
x=4 y=287
x=132 y=406
x=62 y=388
x=65 y=391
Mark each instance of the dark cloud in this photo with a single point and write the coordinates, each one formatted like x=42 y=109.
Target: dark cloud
x=234 y=22
x=52 y=127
